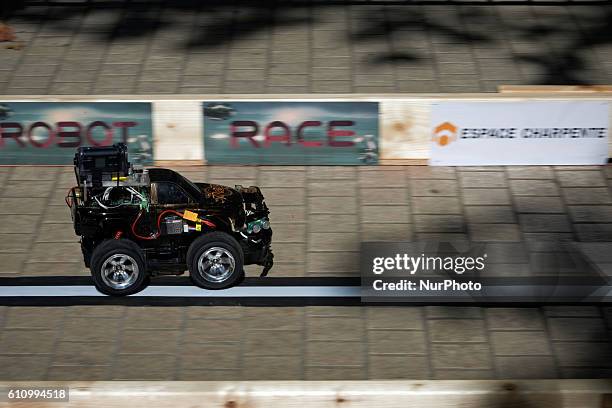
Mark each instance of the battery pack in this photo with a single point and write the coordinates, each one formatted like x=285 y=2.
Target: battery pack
x=172 y=225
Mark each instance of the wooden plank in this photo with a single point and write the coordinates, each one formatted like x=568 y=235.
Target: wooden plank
x=324 y=394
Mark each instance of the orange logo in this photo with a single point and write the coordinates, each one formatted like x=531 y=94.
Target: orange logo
x=445 y=133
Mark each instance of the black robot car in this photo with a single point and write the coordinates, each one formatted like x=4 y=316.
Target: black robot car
x=137 y=223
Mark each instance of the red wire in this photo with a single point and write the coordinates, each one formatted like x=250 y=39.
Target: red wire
x=68 y=196
x=157 y=234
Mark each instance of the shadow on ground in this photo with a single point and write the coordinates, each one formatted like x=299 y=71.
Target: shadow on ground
x=553 y=45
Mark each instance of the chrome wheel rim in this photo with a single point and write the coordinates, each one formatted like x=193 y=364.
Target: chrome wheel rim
x=216 y=264
x=120 y=271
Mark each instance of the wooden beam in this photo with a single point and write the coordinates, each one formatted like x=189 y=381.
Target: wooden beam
x=325 y=394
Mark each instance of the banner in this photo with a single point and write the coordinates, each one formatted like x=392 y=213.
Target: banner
x=519 y=133
x=50 y=132
x=299 y=133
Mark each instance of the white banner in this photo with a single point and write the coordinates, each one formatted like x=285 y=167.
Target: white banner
x=519 y=133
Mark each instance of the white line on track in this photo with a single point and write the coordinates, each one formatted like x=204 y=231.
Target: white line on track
x=188 y=291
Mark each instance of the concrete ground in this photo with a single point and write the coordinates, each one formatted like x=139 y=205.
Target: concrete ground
x=320 y=215
x=122 y=47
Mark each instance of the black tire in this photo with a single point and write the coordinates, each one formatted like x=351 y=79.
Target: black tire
x=122 y=249
x=228 y=247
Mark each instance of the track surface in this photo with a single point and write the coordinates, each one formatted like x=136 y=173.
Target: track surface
x=320 y=216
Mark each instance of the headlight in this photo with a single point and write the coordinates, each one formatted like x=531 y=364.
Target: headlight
x=256 y=226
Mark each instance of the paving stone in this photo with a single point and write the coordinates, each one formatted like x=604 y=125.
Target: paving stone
x=84 y=353
x=332 y=264
x=12 y=263
x=383 y=196
x=31 y=189
x=495 y=232
x=584 y=354
x=572 y=311
x=439 y=223
x=334 y=328
x=274 y=319
x=396 y=342
x=334 y=373
x=213 y=355
x=14 y=243
x=586 y=373
x=33 y=318
x=434 y=172
x=331 y=223
x=520 y=367
x=338 y=353
x=387 y=232
x=461 y=374
x=581 y=178
x=95 y=311
x=397 y=367
x=461 y=356
x=545 y=223
x=436 y=205
x=506 y=252
x=520 y=343
x=577 y=329
x=539 y=188
x=456 y=330
x=272 y=367
x=270 y=342
x=514 y=319
x=578 y=196
x=53 y=251
x=16 y=341
x=478 y=196
x=591 y=213
x=144 y=367
x=433 y=188
x=77 y=373
x=331 y=172
x=90 y=329
x=384 y=214
x=482 y=179
x=331 y=205
x=284 y=196
x=395 y=318
x=490 y=214
x=331 y=188
x=291 y=233
x=594 y=232
x=381 y=179
x=447 y=312
x=203 y=331
x=287 y=214
x=22 y=367
x=528 y=204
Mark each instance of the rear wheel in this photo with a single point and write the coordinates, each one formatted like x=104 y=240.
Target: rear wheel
x=118 y=268
x=215 y=261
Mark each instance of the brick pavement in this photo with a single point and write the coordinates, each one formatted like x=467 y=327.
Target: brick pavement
x=233 y=47
x=320 y=216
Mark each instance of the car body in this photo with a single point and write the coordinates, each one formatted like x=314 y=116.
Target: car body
x=159 y=221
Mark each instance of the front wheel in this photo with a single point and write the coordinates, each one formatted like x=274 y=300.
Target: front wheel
x=215 y=261
x=118 y=268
